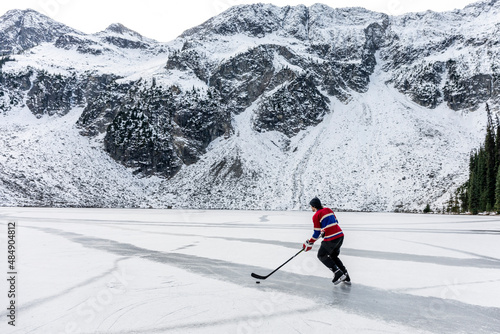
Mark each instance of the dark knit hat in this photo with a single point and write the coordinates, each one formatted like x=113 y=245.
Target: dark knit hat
x=316 y=203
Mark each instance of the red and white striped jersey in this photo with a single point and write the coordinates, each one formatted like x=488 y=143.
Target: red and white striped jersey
x=325 y=220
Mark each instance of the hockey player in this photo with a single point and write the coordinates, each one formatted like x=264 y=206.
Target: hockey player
x=326 y=226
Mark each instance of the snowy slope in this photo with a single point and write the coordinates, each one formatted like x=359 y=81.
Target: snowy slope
x=365 y=155
x=69 y=166
x=173 y=271
x=405 y=96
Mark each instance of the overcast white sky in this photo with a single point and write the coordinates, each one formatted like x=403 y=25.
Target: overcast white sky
x=167 y=19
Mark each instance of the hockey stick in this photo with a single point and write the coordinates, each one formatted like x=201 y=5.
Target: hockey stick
x=275 y=270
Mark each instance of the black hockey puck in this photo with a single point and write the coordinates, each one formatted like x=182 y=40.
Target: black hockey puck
x=258 y=282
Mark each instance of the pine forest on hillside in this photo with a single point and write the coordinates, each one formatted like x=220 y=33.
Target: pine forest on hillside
x=481 y=192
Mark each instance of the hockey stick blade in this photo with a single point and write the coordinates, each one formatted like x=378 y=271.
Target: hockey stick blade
x=259 y=277
x=264 y=277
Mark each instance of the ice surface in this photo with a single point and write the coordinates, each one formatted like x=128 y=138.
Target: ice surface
x=173 y=271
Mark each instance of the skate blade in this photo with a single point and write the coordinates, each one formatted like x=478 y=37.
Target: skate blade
x=341 y=279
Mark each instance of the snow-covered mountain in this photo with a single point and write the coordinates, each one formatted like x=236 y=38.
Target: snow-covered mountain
x=23 y=29
x=260 y=107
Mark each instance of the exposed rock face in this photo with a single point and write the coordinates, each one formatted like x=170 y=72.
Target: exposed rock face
x=468 y=92
x=52 y=94
x=292 y=108
x=132 y=140
x=465 y=75
x=119 y=35
x=245 y=77
x=158 y=131
x=81 y=44
x=23 y=29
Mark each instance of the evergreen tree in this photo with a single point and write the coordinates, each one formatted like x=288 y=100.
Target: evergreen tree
x=497 y=193
x=462 y=196
x=481 y=179
x=473 y=196
x=473 y=189
x=482 y=191
x=490 y=152
x=497 y=142
x=449 y=205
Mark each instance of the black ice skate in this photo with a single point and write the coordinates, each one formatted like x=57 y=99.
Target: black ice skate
x=339 y=277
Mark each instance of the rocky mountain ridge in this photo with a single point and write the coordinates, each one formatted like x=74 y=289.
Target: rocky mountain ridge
x=295 y=82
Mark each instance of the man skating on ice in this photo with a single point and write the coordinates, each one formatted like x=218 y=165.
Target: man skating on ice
x=326 y=225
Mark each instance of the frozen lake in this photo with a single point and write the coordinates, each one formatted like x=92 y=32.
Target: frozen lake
x=173 y=271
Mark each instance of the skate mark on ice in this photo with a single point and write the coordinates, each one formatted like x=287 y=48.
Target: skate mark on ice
x=197 y=325
x=480 y=256
x=422 y=230
x=431 y=313
x=446 y=285
x=42 y=300
x=439 y=260
x=484 y=262
x=194 y=244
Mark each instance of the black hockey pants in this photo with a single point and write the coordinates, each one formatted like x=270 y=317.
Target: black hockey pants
x=329 y=252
